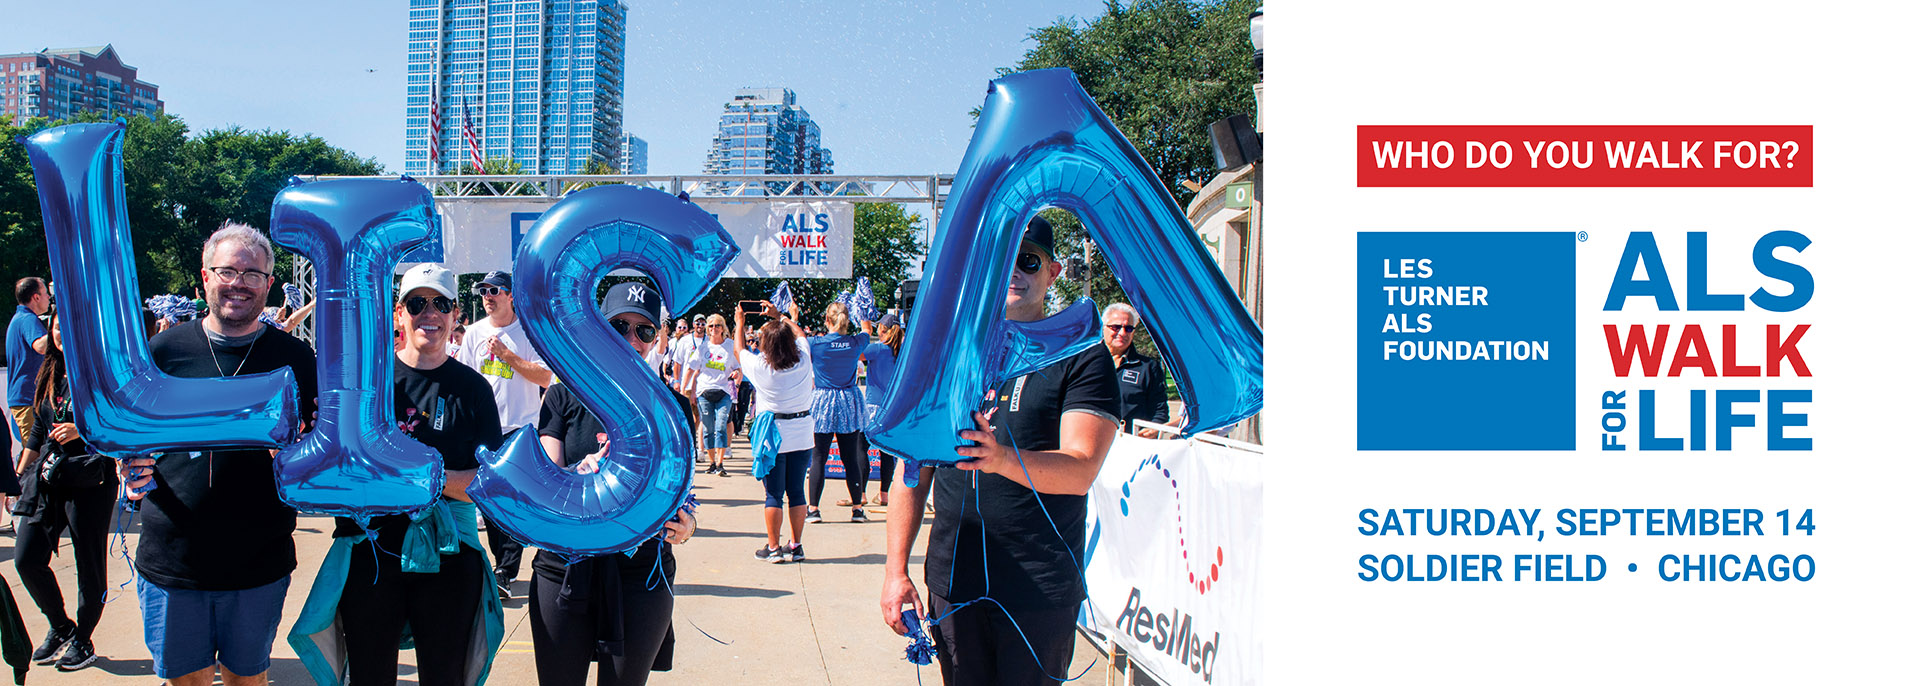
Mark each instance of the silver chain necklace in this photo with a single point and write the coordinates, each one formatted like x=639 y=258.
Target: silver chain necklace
x=216 y=358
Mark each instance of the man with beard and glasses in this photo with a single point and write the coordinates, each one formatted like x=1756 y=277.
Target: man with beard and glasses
x=216 y=543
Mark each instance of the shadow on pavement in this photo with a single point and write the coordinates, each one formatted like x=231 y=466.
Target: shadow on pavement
x=728 y=591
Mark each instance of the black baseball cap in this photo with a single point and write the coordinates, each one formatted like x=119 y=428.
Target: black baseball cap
x=634 y=297
x=505 y=280
x=1040 y=233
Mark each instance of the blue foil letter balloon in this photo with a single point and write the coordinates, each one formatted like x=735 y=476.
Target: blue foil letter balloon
x=646 y=472
x=124 y=405
x=1042 y=142
x=356 y=462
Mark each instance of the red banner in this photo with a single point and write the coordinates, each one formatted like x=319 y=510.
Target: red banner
x=1585 y=156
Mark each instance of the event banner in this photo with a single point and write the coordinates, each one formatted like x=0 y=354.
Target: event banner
x=1591 y=361
x=778 y=239
x=1172 y=567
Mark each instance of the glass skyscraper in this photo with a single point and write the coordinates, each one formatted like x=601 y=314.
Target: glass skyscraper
x=633 y=154
x=543 y=82
x=762 y=131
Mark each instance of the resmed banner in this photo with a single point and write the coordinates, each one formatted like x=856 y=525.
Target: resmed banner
x=1173 y=560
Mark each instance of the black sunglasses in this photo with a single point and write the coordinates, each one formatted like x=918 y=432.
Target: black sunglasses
x=1127 y=328
x=647 y=332
x=1029 y=262
x=417 y=304
x=488 y=290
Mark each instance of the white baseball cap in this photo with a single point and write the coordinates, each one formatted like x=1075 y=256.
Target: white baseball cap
x=429 y=275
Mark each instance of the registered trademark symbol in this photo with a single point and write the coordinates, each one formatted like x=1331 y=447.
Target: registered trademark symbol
x=1582 y=236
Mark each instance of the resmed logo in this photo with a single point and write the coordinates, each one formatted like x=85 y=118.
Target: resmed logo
x=1171 y=631
x=1202 y=582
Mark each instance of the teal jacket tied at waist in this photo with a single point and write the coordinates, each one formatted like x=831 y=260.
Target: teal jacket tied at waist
x=436 y=531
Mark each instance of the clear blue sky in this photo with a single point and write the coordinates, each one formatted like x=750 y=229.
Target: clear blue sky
x=889 y=83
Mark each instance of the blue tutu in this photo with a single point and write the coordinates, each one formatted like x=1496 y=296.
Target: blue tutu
x=838 y=411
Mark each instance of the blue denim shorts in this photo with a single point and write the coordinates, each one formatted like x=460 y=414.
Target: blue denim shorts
x=188 y=630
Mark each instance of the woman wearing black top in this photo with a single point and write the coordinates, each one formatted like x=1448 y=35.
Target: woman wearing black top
x=424 y=576
x=613 y=610
x=64 y=486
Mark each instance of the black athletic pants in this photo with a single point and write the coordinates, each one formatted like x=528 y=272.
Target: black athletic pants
x=977 y=645
x=88 y=514
x=567 y=635
x=506 y=552
x=440 y=608
x=853 y=456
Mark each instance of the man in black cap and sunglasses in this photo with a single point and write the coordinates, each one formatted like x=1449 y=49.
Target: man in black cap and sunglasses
x=498 y=347
x=1039 y=442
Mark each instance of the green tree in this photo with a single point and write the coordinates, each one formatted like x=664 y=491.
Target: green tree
x=495 y=166
x=179 y=189
x=1162 y=71
x=886 y=244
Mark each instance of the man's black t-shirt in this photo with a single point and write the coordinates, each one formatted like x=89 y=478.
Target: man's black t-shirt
x=450 y=409
x=1143 y=387
x=1024 y=561
x=214 y=521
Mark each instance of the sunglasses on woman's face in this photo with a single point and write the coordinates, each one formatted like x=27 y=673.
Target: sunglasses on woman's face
x=418 y=304
x=646 y=332
x=1029 y=262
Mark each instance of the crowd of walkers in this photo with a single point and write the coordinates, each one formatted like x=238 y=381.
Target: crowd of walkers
x=215 y=552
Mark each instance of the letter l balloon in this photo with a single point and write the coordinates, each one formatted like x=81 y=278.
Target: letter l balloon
x=123 y=404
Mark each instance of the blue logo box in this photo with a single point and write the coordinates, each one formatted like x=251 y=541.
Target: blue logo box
x=1466 y=341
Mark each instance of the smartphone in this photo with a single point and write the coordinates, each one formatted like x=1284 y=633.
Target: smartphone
x=750 y=307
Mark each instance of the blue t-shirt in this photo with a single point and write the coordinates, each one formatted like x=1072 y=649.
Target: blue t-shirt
x=879 y=373
x=836 y=359
x=24 y=362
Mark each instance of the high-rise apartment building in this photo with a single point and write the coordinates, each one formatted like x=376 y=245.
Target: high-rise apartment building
x=540 y=82
x=762 y=131
x=633 y=154
x=58 y=83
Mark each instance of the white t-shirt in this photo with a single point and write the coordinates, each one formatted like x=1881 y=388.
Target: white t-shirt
x=681 y=350
x=711 y=363
x=784 y=392
x=517 y=398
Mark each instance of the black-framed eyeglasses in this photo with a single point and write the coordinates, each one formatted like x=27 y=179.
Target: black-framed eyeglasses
x=1029 y=262
x=484 y=290
x=417 y=304
x=646 y=332
x=1122 y=328
x=251 y=278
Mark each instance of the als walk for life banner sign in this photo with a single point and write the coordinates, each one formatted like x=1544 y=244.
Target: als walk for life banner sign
x=1173 y=566
x=777 y=239
x=1592 y=355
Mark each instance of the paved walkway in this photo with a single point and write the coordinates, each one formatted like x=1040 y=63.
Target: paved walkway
x=815 y=622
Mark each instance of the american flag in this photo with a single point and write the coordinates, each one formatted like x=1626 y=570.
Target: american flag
x=472 y=136
x=433 y=130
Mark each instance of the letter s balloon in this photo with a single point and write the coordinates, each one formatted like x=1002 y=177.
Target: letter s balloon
x=356 y=462
x=124 y=405
x=647 y=471
x=1042 y=142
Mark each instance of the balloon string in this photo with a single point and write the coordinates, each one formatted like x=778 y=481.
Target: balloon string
x=124 y=514
x=659 y=576
x=986 y=574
